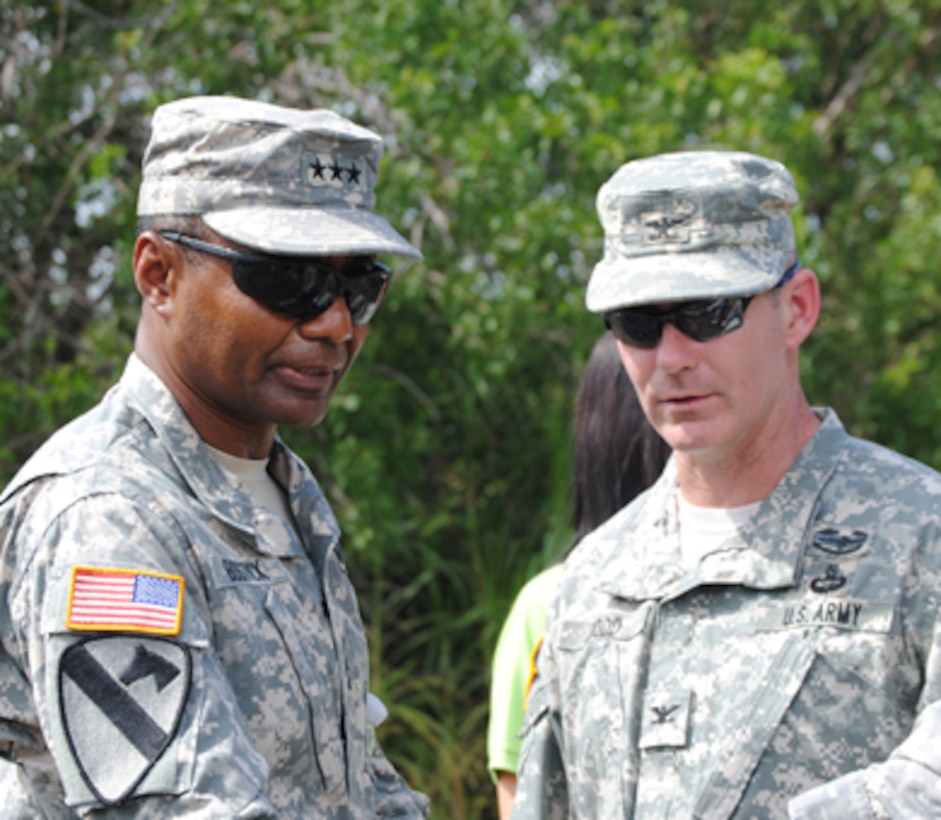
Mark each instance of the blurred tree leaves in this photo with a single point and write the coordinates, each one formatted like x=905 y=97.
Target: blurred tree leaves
x=447 y=453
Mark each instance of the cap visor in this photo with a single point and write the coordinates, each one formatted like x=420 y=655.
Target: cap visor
x=310 y=232
x=681 y=277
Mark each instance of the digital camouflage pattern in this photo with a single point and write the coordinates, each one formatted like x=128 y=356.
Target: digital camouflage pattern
x=693 y=225
x=782 y=670
x=275 y=179
x=269 y=670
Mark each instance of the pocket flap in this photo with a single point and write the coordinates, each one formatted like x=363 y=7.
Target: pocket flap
x=760 y=720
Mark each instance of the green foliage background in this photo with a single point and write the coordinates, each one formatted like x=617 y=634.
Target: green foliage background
x=447 y=454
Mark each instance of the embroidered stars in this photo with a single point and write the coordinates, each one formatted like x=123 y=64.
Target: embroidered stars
x=322 y=170
x=316 y=168
x=337 y=171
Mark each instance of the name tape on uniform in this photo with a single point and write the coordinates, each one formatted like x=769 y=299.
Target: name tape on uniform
x=843 y=613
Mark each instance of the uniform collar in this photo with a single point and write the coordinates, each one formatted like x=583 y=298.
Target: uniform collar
x=643 y=547
x=215 y=487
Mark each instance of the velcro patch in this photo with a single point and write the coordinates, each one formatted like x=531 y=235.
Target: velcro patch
x=105 y=599
x=839 y=540
x=121 y=699
x=665 y=721
x=843 y=613
x=610 y=625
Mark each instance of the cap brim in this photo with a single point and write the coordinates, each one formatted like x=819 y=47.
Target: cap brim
x=681 y=277
x=310 y=231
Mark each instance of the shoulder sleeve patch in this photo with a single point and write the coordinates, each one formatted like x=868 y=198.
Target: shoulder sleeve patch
x=533 y=672
x=121 y=698
x=103 y=599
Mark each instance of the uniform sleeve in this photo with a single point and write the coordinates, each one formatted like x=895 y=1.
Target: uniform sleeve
x=394 y=797
x=139 y=722
x=510 y=674
x=906 y=785
x=541 y=788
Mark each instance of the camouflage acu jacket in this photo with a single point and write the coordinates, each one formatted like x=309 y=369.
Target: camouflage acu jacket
x=168 y=648
x=783 y=673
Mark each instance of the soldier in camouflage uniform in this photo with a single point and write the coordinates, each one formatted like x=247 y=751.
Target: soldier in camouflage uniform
x=178 y=632
x=758 y=635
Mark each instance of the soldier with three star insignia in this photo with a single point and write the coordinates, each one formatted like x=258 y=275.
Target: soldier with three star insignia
x=178 y=632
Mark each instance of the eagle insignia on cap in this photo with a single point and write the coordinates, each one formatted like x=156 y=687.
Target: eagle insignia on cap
x=664 y=226
x=660 y=227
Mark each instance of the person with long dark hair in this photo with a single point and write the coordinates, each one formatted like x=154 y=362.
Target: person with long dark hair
x=617 y=455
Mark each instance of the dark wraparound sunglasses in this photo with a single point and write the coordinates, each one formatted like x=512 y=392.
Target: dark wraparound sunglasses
x=700 y=320
x=300 y=287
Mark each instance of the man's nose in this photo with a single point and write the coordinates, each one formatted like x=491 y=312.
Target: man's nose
x=335 y=323
x=675 y=351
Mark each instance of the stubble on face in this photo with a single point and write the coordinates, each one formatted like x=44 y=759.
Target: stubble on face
x=708 y=399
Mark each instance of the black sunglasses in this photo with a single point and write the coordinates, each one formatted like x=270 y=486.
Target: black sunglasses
x=700 y=320
x=300 y=287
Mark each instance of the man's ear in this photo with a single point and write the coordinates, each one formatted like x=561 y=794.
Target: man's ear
x=802 y=295
x=155 y=261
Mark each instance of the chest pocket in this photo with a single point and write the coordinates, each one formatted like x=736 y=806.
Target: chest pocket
x=831 y=678
x=602 y=667
x=275 y=640
x=760 y=720
x=310 y=644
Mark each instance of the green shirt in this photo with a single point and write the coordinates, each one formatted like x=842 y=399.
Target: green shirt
x=511 y=668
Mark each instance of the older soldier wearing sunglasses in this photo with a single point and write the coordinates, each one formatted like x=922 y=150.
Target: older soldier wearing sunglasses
x=179 y=633
x=758 y=636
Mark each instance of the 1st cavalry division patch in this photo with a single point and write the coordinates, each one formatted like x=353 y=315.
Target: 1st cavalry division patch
x=121 y=699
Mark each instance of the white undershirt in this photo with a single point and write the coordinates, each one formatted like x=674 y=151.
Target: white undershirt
x=254 y=475
x=704 y=529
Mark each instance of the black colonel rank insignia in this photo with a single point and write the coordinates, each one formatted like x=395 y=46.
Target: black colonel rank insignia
x=121 y=699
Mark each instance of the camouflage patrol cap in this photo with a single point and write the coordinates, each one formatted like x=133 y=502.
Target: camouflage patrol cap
x=693 y=225
x=278 y=180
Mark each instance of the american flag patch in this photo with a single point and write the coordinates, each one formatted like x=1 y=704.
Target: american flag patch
x=125 y=600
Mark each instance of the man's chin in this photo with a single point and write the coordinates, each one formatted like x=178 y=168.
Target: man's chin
x=683 y=439
x=308 y=416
